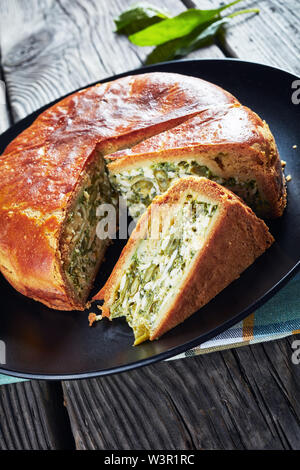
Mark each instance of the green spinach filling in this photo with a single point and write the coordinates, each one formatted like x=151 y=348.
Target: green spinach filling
x=84 y=247
x=139 y=186
x=159 y=265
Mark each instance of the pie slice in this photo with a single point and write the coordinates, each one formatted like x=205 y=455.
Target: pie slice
x=192 y=242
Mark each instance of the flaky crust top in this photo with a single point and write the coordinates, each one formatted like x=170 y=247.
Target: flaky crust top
x=232 y=126
x=44 y=161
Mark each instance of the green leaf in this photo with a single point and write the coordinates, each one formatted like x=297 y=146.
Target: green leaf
x=201 y=36
x=169 y=50
x=205 y=37
x=179 y=26
x=139 y=16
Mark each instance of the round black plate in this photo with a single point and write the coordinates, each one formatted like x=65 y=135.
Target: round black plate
x=50 y=344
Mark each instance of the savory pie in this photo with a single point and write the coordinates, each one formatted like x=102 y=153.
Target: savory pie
x=191 y=242
x=53 y=175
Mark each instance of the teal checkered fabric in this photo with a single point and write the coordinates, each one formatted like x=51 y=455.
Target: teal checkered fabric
x=277 y=318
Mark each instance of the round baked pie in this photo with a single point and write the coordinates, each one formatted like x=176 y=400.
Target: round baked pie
x=54 y=175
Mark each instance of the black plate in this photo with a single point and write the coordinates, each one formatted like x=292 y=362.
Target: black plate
x=44 y=343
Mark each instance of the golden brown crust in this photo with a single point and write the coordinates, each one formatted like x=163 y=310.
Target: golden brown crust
x=238 y=236
x=233 y=130
x=41 y=168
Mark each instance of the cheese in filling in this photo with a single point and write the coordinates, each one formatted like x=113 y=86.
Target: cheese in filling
x=160 y=264
x=140 y=185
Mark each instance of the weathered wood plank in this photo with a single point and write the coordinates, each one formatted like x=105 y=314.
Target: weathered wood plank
x=240 y=399
x=272 y=37
x=4 y=112
x=32 y=417
x=51 y=47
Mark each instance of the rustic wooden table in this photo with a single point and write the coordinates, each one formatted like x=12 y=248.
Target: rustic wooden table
x=246 y=398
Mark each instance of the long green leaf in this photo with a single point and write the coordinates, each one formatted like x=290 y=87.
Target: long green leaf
x=206 y=36
x=200 y=37
x=179 y=26
x=169 y=50
x=209 y=33
x=138 y=17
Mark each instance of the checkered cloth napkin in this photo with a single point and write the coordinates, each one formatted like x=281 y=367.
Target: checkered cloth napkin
x=277 y=318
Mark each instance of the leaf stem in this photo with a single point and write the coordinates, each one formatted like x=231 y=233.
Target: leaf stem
x=242 y=12
x=230 y=4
